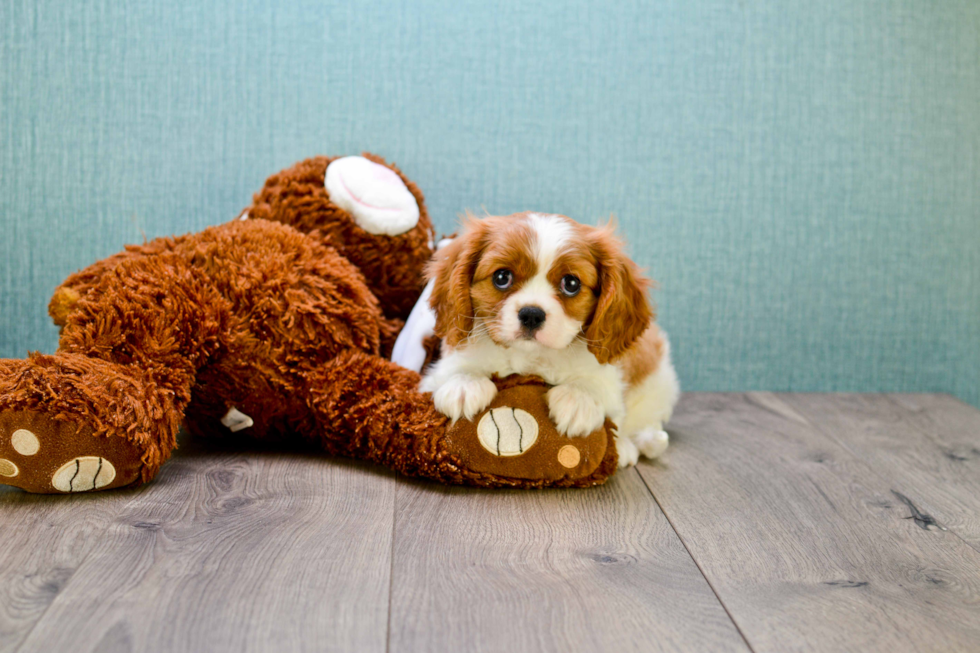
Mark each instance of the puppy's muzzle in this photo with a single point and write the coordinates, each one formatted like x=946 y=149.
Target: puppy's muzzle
x=531 y=317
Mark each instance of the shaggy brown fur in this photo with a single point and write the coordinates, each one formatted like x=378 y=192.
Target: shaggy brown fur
x=392 y=266
x=285 y=316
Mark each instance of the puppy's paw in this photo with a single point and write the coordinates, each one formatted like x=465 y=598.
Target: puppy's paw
x=464 y=395
x=628 y=453
x=651 y=442
x=575 y=412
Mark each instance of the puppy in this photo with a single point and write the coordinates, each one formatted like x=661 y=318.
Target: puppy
x=540 y=294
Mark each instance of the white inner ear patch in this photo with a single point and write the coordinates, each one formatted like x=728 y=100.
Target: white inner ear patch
x=375 y=196
x=25 y=443
x=83 y=474
x=507 y=431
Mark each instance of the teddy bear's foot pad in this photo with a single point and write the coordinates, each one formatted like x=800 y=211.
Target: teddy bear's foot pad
x=41 y=454
x=514 y=438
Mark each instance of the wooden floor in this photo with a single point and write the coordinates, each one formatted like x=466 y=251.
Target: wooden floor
x=774 y=523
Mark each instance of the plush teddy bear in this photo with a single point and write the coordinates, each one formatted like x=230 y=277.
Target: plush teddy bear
x=276 y=325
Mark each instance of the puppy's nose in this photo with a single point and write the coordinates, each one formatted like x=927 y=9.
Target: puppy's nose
x=531 y=317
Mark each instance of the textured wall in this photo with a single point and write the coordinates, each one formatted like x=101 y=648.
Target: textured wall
x=802 y=177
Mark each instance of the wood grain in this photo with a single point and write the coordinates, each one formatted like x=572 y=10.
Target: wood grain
x=43 y=541
x=805 y=544
x=245 y=551
x=929 y=445
x=580 y=570
x=818 y=520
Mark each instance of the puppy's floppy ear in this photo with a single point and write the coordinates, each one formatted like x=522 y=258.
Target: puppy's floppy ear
x=452 y=270
x=623 y=311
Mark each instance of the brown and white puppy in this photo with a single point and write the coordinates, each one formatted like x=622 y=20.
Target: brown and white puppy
x=541 y=294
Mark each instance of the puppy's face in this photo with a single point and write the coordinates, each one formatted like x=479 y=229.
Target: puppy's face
x=536 y=283
x=531 y=280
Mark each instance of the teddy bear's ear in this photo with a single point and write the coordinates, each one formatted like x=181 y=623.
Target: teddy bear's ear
x=451 y=272
x=373 y=194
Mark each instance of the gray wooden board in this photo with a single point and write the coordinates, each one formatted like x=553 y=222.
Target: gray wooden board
x=804 y=543
x=796 y=508
x=236 y=552
x=559 y=570
x=43 y=541
x=929 y=445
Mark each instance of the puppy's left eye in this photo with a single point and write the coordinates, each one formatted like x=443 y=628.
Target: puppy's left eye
x=570 y=285
x=502 y=279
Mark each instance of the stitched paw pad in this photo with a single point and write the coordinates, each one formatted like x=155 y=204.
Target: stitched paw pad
x=507 y=431
x=84 y=474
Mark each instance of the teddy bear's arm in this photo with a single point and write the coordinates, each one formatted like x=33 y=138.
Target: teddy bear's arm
x=66 y=296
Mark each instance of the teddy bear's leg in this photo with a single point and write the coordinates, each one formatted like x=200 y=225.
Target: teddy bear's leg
x=370 y=408
x=104 y=410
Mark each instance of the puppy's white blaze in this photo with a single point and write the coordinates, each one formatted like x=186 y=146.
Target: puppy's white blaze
x=552 y=233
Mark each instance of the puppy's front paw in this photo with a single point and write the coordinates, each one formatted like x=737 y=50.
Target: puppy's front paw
x=628 y=453
x=651 y=442
x=464 y=395
x=575 y=412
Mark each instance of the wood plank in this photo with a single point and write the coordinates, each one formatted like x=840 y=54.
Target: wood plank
x=930 y=443
x=43 y=541
x=804 y=543
x=234 y=551
x=559 y=570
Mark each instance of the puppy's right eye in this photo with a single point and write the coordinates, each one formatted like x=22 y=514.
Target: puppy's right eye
x=502 y=279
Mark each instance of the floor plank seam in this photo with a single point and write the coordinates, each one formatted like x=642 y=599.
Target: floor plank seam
x=696 y=563
x=391 y=561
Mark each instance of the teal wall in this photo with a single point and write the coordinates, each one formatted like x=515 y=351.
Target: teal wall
x=803 y=178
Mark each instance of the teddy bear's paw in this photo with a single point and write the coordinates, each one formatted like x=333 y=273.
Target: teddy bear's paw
x=374 y=195
x=41 y=454
x=514 y=442
x=575 y=412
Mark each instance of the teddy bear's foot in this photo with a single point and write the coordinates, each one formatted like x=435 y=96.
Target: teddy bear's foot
x=370 y=408
x=514 y=442
x=374 y=195
x=47 y=455
x=71 y=423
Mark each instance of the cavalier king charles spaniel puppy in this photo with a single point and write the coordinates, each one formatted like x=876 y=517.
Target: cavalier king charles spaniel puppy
x=541 y=294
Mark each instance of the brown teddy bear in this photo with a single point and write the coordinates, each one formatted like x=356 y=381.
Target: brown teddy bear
x=276 y=325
